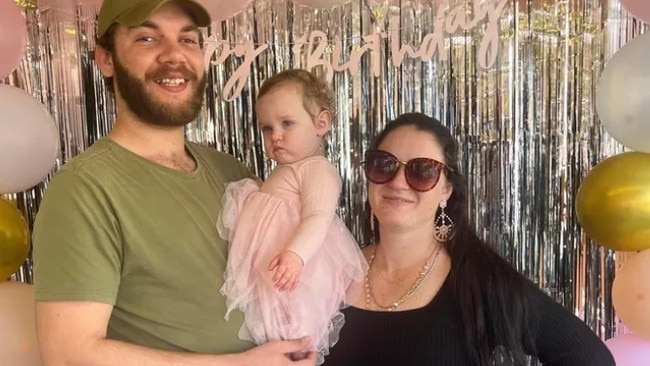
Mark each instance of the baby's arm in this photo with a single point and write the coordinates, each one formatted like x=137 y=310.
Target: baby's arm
x=320 y=187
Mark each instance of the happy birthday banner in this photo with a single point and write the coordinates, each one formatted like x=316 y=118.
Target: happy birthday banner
x=314 y=45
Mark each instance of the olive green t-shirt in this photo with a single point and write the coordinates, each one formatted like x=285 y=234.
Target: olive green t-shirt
x=119 y=229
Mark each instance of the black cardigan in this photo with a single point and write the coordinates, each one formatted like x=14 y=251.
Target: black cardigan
x=432 y=335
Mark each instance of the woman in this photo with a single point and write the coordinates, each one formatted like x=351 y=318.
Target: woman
x=435 y=294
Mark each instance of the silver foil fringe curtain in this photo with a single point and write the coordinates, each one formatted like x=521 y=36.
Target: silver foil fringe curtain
x=527 y=124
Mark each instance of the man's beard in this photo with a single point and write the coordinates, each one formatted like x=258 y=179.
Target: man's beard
x=150 y=110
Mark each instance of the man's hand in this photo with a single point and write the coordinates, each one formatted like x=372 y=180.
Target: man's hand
x=277 y=353
x=287 y=266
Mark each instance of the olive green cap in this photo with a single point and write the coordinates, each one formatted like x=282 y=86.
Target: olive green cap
x=132 y=13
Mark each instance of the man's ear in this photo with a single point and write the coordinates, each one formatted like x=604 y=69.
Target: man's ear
x=323 y=122
x=104 y=61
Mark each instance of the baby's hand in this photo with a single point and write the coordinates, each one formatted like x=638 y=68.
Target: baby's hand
x=287 y=266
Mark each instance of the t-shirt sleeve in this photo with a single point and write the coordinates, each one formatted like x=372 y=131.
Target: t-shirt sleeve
x=244 y=171
x=320 y=186
x=76 y=242
x=232 y=168
x=561 y=338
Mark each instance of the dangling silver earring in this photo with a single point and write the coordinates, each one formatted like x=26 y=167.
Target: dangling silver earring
x=443 y=225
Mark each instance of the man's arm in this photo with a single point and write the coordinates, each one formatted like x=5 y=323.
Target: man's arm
x=74 y=333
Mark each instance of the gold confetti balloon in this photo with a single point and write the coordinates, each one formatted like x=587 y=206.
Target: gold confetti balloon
x=613 y=202
x=14 y=239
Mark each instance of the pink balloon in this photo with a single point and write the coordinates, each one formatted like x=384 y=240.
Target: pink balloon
x=629 y=350
x=67 y=5
x=18 y=342
x=631 y=293
x=322 y=4
x=223 y=9
x=639 y=8
x=13 y=37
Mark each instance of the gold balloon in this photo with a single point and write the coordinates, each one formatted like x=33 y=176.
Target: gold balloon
x=613 y=202
x=14 y=239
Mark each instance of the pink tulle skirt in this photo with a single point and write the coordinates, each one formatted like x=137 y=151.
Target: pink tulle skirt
x=257 y=226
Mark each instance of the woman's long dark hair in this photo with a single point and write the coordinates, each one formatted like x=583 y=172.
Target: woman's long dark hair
x=488 y=289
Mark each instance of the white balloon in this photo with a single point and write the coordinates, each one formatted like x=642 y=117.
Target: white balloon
x=29 y=140
x=321 y=4
x=623 y=96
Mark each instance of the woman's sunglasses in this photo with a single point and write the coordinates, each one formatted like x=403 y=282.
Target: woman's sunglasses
x=422 y=174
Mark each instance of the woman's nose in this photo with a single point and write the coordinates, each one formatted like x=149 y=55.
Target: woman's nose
x=399 y=180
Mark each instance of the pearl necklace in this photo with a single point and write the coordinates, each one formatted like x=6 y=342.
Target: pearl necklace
x=424 y=273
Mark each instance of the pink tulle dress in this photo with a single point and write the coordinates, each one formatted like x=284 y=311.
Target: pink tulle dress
x=293 y=209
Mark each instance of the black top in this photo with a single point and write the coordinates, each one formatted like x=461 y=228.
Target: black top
x=432 y=335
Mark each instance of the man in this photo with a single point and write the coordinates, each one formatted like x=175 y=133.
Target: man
x=127 y=259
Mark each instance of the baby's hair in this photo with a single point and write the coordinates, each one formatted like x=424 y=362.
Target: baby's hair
x=315 y=90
